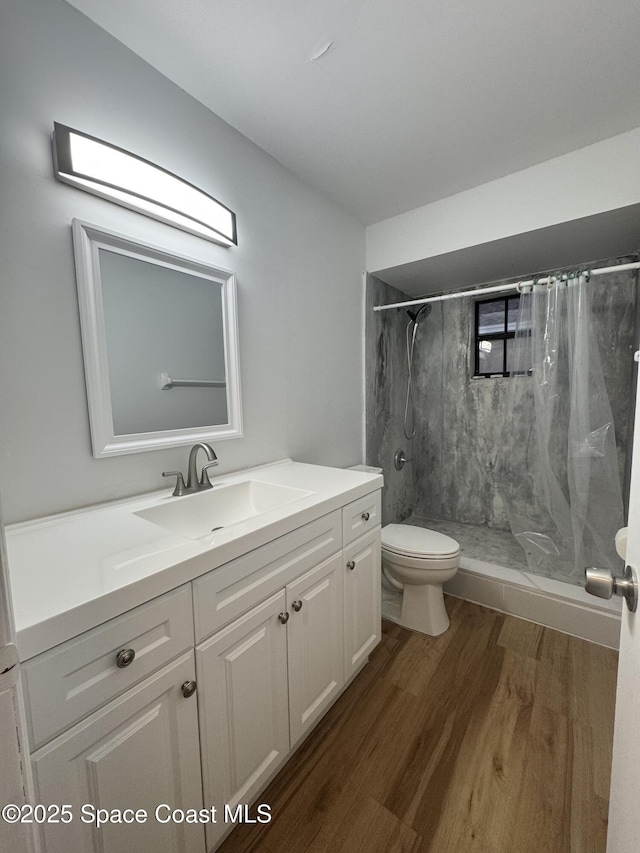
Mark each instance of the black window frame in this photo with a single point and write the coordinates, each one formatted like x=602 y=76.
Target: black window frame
x=504 y=335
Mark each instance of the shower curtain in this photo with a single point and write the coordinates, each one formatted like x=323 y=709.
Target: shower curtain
x=566 y=507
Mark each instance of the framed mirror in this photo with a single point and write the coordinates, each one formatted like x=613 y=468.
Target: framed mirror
x=160 y=344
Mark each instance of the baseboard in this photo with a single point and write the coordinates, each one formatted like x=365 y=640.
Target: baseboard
x=538 y=600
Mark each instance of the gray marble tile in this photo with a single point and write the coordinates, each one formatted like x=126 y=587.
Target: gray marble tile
x=462 y=466
x=614 y=310
x=463 y=469
x=386 y=382
x=479 y=542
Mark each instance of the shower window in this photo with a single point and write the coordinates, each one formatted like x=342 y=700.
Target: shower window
x=495 y=331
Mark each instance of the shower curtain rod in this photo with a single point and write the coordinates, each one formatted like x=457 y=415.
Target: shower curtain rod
x=500 y=288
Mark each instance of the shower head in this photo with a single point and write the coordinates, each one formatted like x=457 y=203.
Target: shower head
x=421 y=314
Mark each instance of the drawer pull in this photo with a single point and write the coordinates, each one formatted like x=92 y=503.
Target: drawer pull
x=351 y=565
x=283 y=617
x=365 y=516
x=297 y=605
x=125 y=657
x=188 y=689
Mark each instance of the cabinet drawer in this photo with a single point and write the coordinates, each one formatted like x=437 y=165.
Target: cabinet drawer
x=75 y=678
x=361 y=516
x=229 y=591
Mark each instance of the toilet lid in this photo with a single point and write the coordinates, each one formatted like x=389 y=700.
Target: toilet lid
x=415 y=541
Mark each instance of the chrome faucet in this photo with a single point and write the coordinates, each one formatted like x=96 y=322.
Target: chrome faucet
x=194 y=483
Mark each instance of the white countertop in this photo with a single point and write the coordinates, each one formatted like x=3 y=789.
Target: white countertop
x=71 y=572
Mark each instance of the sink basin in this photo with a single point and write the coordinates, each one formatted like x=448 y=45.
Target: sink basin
x=201 y=514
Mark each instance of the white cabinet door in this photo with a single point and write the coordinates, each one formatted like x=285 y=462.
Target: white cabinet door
x=362 y=619
x=13 y=836
x=244 y=709
x=315 y=635
x=137 y=752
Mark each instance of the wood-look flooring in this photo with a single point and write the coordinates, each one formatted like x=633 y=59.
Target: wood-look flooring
x=493 y=738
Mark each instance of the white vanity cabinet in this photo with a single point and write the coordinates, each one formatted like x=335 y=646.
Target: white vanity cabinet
x=268 y=675
x=315 y=644
x=362 y=606
x=244 y=707
x=264 y=681
x=361 y=521
x=137 y=751
x=196 y=698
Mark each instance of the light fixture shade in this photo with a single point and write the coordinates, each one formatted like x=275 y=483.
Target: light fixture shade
x=115 y=174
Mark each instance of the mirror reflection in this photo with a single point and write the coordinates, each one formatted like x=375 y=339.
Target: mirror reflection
x=160 y=321
x=159 y=336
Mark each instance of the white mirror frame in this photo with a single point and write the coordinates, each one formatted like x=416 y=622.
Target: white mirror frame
x=87 y=241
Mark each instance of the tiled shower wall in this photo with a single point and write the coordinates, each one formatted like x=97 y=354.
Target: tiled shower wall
x=386 y=386
x=461 y=421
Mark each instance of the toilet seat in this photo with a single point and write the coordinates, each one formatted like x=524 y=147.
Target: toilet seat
x=407 y=540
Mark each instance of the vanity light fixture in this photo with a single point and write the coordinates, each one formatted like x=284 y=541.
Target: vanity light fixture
x=105 y=170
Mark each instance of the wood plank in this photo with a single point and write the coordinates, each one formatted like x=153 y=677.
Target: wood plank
x=493 y=738
x=522 y=637
x=416 y=662
x=554 y=678
x=364 y=827
x=461 y=685
x=478 y=814
x=588 y=821
x=542 y=811
x=333 y=782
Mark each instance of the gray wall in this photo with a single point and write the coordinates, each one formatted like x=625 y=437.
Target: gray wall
x=299 y=270
x=460 y=421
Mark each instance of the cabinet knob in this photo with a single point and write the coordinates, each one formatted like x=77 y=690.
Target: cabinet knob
x=351 y=565
x=297 y=605
x=365 y=516
x=188 y=689
x=125 y=657
x=283 y=617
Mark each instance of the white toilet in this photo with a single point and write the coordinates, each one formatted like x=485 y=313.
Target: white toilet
x=419 y=561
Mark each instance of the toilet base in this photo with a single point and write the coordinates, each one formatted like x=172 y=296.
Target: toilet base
x=423 y=609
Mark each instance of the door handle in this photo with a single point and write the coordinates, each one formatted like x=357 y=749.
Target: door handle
x=601 y=582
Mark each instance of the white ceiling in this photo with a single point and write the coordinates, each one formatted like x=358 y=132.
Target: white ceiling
x=414 y=101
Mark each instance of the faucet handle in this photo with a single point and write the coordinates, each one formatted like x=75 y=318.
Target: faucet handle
x=180 y=488
x=205 y=482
